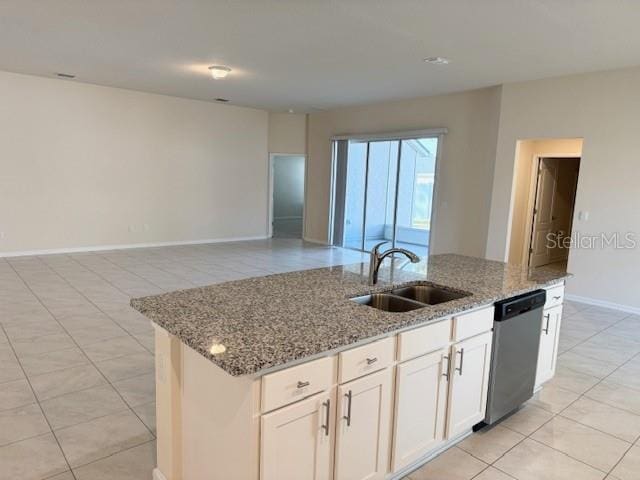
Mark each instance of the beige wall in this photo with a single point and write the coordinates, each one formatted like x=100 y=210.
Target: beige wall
x=526 y=152
x=80 y=164
x=603 y=109
x=287 y=133
x=466 y=168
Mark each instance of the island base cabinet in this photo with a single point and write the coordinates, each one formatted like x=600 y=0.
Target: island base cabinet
x=363 y=428
x=548 y=353
x=469 y=382
x=297 y=441
x=420 y=407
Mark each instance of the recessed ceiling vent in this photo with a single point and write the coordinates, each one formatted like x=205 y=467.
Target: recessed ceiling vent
x=65 y=75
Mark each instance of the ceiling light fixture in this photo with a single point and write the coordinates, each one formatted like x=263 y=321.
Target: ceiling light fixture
x=438 y=60
x=218 y=72
x=222 y=100
x=66 y=75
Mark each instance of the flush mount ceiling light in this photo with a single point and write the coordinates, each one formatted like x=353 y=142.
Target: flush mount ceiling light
x=65 y=75
x=437 y=60
x=218 y=72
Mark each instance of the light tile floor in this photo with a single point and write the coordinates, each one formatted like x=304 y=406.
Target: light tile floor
x=77 y=390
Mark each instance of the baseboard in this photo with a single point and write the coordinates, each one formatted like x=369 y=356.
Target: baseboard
x=157 y=475
x=315 y=240
x=99 y=248
x=603 y=303
x=402 y=473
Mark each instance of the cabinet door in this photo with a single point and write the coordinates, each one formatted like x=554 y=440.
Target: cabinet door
x=548 y=353
x=420 y=407
x=296 y=440
x=469 y=381
x=363 y=427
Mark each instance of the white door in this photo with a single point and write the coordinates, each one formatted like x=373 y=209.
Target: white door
x=296 y=440
x=563 y=204
x=420 y=407
x=363 y=427
x=543 y=221
x=469 y=380
x=548 y=352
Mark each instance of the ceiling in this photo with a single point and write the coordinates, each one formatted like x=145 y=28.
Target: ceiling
x=315 y=54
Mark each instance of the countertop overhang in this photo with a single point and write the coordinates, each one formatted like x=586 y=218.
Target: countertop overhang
x=265 y=323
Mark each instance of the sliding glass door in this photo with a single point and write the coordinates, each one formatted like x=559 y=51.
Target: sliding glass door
x=384 y=192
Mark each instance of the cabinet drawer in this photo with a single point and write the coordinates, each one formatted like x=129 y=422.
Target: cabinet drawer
x=423 y=340
x=296 y=383
x=555 y=296
x=468 y=325
x=369 y=358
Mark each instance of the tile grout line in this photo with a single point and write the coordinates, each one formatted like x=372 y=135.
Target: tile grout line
x=35 y=396
x=88 y=358
x=92 y=302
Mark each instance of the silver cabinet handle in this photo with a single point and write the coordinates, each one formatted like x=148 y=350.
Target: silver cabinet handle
x=461 y=352
x=325 y=427
x=546 y=329
x=557 y=298
x=347 y=417
x=446 y=371
x=303 y=384
x=371 y=361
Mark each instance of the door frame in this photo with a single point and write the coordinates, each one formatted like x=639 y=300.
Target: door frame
x=270 y=181
x=438 y=133
x=531 y=200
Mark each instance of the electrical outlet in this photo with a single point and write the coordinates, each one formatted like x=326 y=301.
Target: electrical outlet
x=1 y=235
x=132 y=228
x=146 y=227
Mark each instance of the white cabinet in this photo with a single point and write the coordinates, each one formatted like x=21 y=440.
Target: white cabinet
x=296 y=440
x=469 y=381
x=420 y=407
x=363 y=427
x=548 y=353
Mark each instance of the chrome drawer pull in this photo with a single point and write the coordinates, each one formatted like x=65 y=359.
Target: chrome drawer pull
x=446 y=371
x=461 y=352
x=303 y=384
x=325 y=427
x=546 y=329
x=557 y=298
x=371 y=361
x=347 y=417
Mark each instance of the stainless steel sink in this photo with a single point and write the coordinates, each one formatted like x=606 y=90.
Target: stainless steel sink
x=388 y=303
x=429 y=294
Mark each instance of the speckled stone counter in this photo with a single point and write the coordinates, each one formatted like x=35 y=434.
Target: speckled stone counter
x=268 y=322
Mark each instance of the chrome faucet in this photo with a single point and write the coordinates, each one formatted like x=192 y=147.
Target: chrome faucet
x=377 y=258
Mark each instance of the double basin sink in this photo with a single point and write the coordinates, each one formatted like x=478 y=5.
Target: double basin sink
x=409 y=298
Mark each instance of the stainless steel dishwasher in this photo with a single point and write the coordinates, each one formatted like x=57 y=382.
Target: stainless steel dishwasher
x=517 y=326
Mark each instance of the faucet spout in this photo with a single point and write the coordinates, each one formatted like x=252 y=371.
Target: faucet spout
x=376 y=260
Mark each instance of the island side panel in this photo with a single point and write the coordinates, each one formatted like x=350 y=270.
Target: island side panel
x=168 y=362
x=220 y=422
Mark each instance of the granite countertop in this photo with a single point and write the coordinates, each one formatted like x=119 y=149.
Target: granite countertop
x=267 y=322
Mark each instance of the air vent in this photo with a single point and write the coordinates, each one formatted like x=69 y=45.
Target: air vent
x=66 y=75
x=222 y=100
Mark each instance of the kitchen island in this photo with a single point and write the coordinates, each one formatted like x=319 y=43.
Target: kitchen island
x=285 y=376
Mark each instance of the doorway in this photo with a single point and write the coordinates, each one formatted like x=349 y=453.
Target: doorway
x=552 y=216
x=286 y=199
x=384 y=191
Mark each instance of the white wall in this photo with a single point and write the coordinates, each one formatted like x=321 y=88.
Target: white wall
x=288 y=133
x=603 y=109
x=80 y=164
x=466 y=169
